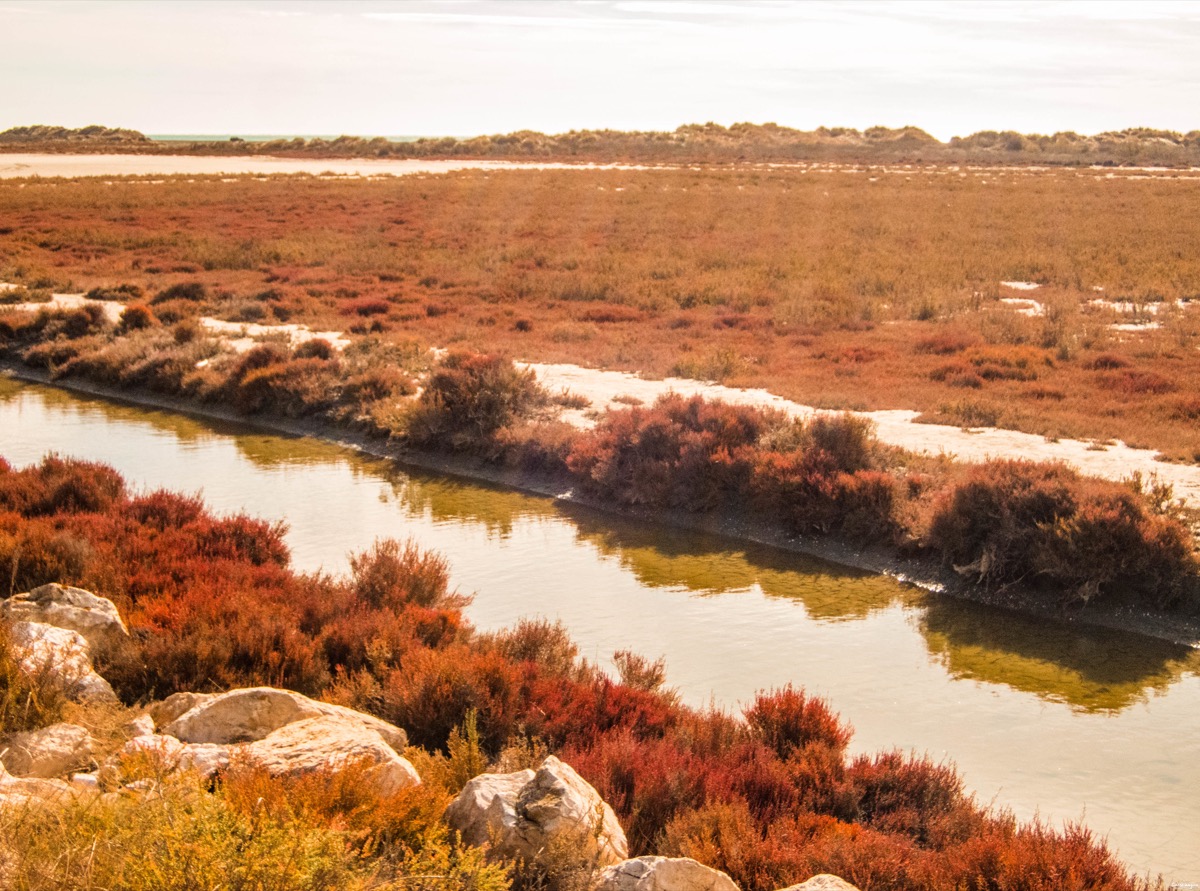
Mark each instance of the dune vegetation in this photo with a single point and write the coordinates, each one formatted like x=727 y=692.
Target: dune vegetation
x=689 y=143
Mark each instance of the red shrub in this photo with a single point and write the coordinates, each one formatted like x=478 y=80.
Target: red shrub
x=898 y=793
x=647 y=781
x=567 y=712
x=392 y=574
x=435 y=689
x=1138 y=383
x=162 y=510
x=810 y=495
x=364 y=306
x=685 y=453
x=61 y=486
x=242 y=538
x=787 y=720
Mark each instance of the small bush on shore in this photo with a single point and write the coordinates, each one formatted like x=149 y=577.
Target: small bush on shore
x=697 y=455
x=1044 y=525
x=468 y=399
x=136 y=317
x=685 y=453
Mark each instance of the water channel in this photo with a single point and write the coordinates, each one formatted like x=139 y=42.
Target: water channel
x=1044 y=719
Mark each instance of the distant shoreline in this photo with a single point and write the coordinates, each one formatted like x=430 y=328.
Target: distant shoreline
x=270 y=137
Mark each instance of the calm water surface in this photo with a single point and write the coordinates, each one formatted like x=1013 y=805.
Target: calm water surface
x=1042 y=719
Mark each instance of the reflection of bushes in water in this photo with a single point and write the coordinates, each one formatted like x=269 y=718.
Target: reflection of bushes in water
x=448 y=498
x=184 y=427
x=264 y=450
x=1090 y=669
x=664 y=557
x=269 y=450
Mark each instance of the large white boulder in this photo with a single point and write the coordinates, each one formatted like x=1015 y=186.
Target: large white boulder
x=520 y=814
x=252 y=713
x=167 y=710
x=62 y=654
x=49 y=752
x=663 y=874
x=823 y=882
x=96 y=618
x=331 y=743
x=486 y=809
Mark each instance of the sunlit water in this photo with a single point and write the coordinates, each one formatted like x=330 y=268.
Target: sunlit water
x=1040 y=718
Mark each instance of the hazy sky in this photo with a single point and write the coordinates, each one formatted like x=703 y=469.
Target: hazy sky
x=466 y=67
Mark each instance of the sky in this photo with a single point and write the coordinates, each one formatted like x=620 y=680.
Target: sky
x=469 y=67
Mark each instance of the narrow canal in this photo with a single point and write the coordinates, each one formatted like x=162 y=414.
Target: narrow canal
x=1043 y=719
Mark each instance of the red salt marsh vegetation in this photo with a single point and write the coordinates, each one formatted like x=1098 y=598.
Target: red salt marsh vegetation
x=769 y=795
x=841 y=288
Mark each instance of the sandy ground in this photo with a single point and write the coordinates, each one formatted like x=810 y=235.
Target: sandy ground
x=24 y=164
x=240 y=336
x=18 y=165
x=613 y=389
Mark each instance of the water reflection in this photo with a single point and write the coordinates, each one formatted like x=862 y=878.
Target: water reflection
x=1090 y=669
x=1042 y=717
x=662 y=557
x=186 y=428
x=448 y=499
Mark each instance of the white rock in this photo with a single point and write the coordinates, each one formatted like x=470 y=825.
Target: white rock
x=486 y=808
x=166 y=711
x=823 y=882
x=330 y=742
x=96 y=618
x=167 y=751
x=50 y=752
x=142 y=725
x=519 y=814
x=90 y=781
x=169 y=754
x=26 y=791
x=207 y=759
x=662 y=874
x=63 y=654
x=252 y=713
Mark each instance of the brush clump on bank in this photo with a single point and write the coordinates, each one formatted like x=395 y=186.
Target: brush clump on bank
x=770 y=796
